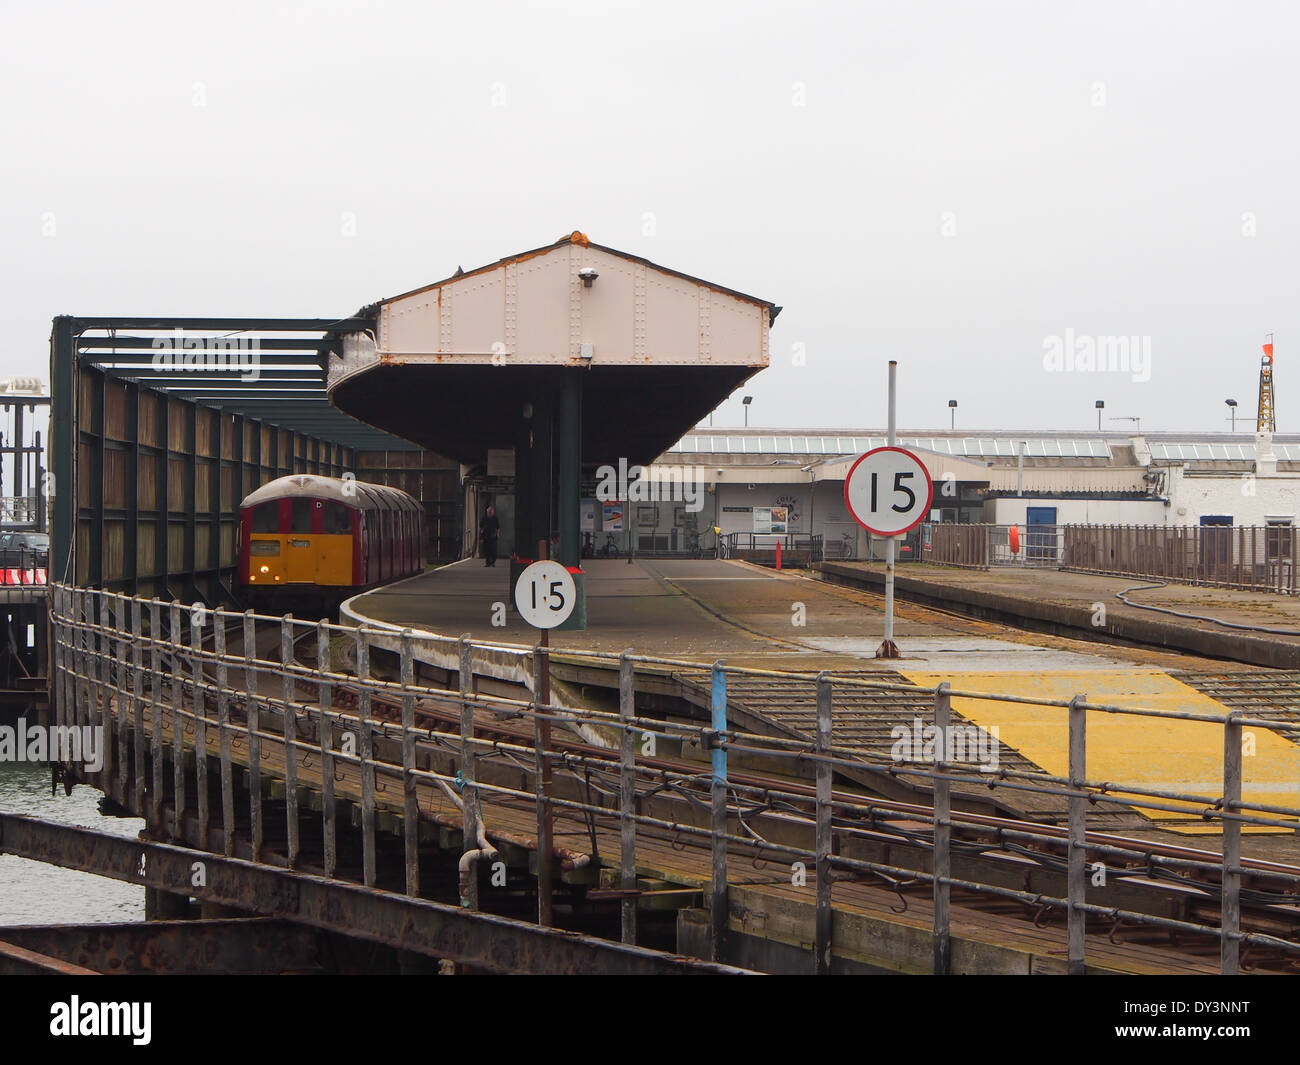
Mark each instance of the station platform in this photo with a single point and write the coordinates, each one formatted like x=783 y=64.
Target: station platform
x=705 y=610
x=1066 y=602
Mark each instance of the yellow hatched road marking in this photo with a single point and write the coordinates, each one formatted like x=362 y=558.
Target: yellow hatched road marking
x=1170 y=754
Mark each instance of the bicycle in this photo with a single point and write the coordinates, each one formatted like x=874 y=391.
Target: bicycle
x=848 y=545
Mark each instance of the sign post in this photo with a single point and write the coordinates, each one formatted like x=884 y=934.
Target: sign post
x=888 y=492
x=544 y=596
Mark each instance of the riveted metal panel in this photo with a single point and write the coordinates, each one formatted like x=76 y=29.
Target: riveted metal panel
x=537 y=305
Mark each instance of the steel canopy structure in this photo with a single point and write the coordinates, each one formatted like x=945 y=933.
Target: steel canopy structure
x=160 y=426
x=207 y=360
x=570 y=356
x=452 y=365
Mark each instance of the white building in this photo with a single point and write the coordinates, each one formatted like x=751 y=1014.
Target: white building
x=992 y=477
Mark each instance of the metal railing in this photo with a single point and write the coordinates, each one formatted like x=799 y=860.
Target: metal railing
x=801 y=549
x=162 y=678
x=22 y=510
x=957 y=545
x=23 y=567
x=980 y=546
x=1260 y=558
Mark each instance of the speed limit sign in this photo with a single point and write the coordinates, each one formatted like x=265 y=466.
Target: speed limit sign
x=888 y=490
x=545 y=594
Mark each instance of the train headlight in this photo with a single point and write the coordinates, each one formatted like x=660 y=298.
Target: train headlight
x=266 y=569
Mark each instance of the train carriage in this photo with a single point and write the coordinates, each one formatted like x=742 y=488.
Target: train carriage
x=311 y=539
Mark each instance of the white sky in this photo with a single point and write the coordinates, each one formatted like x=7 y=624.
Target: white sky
x=1096 y=159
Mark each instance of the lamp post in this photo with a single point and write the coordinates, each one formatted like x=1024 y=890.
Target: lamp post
x=1232 y=406
x=746 y=402
x=1100 y=405
x=952 y=412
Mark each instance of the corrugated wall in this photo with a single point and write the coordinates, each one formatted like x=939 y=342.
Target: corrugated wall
x=158 y=484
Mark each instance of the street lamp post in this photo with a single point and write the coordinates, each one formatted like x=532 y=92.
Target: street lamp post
x=746 y=402
x=1232 y=406
x=1100 y=405
x=952 y=410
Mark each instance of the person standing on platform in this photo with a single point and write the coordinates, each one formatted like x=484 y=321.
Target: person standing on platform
x=488 y=533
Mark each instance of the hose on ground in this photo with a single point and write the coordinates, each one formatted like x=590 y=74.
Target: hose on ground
x=1123 y=598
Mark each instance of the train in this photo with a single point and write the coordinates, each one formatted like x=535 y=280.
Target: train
x=306 y=540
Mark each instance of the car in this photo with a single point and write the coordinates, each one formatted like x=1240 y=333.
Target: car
x=24 y=550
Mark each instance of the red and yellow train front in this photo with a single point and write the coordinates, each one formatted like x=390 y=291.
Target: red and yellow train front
x=299 y=541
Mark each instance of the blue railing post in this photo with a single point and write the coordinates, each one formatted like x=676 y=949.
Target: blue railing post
x=718 y=909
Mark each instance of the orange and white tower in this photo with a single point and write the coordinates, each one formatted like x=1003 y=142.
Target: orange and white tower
x=1265 y=460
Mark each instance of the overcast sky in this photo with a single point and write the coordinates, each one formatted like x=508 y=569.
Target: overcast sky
x=949 y=184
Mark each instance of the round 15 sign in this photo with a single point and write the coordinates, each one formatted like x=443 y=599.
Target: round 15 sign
x=545 y=594
x=888 y=490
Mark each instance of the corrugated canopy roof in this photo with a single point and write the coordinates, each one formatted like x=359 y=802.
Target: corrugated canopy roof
x=210 y=361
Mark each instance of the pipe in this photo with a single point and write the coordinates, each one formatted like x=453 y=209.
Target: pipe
x=1123 y=597
x=467 y=860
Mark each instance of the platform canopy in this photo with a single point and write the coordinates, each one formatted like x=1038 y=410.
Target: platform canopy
x=454 y=365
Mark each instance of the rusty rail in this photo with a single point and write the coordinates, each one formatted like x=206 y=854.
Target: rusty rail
x=116 y=658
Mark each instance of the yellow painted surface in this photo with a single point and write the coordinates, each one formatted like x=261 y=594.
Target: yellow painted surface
x=1174 y=755
x=301 y=558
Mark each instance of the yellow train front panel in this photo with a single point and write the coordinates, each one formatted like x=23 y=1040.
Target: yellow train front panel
x=300 y=558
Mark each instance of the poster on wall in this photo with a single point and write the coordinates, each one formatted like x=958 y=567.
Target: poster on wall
x=588 y=515
x=611 y=517
x=771 y=520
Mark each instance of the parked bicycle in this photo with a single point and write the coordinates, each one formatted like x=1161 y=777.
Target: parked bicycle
x=610 y=548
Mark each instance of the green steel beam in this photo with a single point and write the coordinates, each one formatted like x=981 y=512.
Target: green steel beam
x=103 y=345
x=63 y=441
x=284 y=325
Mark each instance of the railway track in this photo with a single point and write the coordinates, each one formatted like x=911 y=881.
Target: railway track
x=1160 y=878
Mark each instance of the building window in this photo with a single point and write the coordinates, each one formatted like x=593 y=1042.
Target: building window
x=1278 y=538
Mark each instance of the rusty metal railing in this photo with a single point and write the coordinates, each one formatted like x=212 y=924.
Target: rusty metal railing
x=980 y=546
x=957 y=545
x=1260 y=558
x=280 y=696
